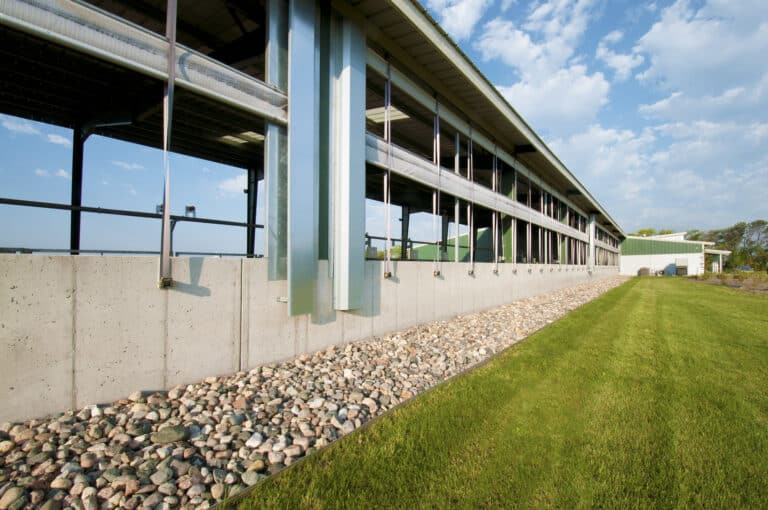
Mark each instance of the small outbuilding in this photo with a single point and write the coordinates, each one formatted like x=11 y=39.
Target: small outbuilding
x=670 y=254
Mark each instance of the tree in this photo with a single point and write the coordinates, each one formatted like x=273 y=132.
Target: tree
x=747 y=242
x=643 y=232
x=665 y=231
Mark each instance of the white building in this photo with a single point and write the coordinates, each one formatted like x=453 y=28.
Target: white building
x=671 y=254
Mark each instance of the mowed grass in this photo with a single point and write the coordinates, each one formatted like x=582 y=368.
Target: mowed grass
x=654 y=395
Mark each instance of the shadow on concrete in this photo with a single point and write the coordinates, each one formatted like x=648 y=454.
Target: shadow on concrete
x=323 y=311
x=193 y=287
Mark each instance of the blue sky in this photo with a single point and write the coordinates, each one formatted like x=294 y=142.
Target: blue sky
x=659 y=108
x=36 y=165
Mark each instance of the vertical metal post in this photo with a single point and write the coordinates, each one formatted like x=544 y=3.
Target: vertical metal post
x=252 y=201
x=591 y=233
x=514 y=227
x=456 y=205
x=529 y=242
x=405 y=223
x=471 y=205
x=388 y=177
x=275 y=147
x=436 y=192
x=303 y=155
x=165 y=280
x=495 y=214
x=347 y=114
x=78 y=142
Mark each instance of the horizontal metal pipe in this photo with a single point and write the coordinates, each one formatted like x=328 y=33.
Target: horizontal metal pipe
x=121 y=212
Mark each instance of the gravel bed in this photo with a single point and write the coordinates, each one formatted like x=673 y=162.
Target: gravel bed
x=197 y=444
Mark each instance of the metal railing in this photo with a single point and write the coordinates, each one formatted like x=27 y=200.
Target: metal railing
x=410 y=244
x=121 y=212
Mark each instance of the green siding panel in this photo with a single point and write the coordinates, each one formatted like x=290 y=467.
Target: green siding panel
x=657 y=247
x=483 y=252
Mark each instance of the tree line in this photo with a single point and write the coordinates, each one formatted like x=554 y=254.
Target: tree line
x=747 y=241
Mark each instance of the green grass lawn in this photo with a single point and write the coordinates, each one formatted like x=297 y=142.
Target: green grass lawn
x=654 y=395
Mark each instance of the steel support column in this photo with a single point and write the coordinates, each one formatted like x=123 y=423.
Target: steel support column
x=456 y=202
x=275 y=147
x=591 y=248
x=254 y=174
x=348 y=162
x=444 y=237
x=78 y=142
x=404 y=224
x=165 y=279
x=303 y=156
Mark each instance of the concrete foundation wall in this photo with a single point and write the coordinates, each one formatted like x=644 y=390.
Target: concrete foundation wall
x=631 y=264
x=83 y=330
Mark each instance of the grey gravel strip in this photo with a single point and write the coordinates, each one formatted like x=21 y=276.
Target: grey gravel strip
x=198 y=444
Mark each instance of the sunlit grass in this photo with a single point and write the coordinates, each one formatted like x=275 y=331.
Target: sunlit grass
x=654 y=395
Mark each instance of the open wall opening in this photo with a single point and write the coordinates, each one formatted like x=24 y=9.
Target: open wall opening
x=522 y=245
x=412 y=124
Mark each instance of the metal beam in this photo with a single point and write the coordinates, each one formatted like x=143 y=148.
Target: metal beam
x=524 y=149
x=78 y=26
x=426 y=99
x=422 y=171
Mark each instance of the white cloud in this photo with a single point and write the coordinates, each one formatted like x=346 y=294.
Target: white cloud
x=563 y=102
x=739 y=102
x=63 y=174
x=459 y=17
x=554 y=90
x=58 y=139
x=41 y=172
x=544 y=43
x=707 y=50
x=234 y=184
x=622 y=64
x=128 y=166
x=506 y=4
x=18 y=125
x=619 y=156
x=676 y=175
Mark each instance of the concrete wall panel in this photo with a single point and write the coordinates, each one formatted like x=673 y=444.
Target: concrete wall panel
x=223 y=315
x=119 y=328
x=406 y=277
x=425 y=291
x=385 y=298
x=359 y=323
x=203 y=310
x=325 y=325
x=37 y=296
x=447 y=292
x=272 y=335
